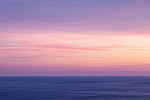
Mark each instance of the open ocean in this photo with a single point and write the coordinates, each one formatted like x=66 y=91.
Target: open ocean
x=74 y=88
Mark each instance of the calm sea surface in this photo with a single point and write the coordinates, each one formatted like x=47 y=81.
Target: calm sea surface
x=75 y=88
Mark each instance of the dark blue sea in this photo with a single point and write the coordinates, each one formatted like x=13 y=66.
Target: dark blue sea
x=74 y=88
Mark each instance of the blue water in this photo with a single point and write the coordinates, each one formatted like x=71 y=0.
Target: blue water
x=75 y=88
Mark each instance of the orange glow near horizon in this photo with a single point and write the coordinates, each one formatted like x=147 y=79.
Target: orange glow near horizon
x=63 y=49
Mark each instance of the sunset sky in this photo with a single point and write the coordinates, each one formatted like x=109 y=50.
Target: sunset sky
x=74 y=37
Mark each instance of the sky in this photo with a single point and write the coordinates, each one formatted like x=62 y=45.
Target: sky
x=74 y=37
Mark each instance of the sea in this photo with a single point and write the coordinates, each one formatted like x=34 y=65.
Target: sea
x=74 y=88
